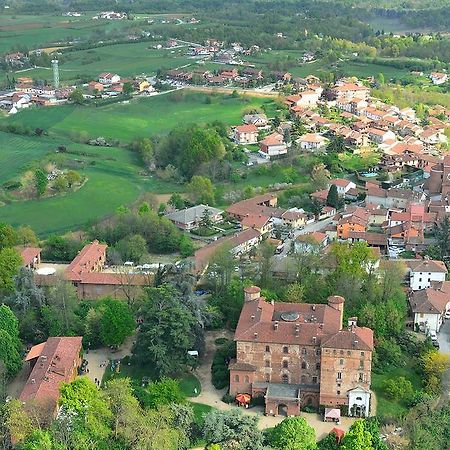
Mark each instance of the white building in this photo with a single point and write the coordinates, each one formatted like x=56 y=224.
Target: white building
x=108 y=78
x=312 y=142
x=423 y=272
x=428 y=307
x=358 y=402
x=342 y=185
x=438 y=77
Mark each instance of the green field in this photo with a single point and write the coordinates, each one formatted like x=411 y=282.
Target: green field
x=113 y=179
x=46 y=30
x=139 y=118
x=127 y=60
x=16 y=152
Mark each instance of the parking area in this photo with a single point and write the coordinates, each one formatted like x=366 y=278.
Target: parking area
x=444 y=338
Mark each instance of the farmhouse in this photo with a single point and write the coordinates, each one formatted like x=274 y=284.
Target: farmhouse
x=31 y=257
x=190 y=218
x=438 y=77
x=52 y=363
x=298 y=354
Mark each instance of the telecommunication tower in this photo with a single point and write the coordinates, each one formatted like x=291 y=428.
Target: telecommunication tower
x=55 y=73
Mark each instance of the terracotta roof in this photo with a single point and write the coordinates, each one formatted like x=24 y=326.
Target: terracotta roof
x=266 y=320
x=370 y=238
x=312 y=137
x=426 y=265
x=431 y=301
x=114 y=279
x=317 y=236
x=247 y=128
x=273 y=139
x=28 y=254
x=56 y=364
x=254 y=221
x=86 y=260
x=341 y=182
x=359 y=338
x=35 y=351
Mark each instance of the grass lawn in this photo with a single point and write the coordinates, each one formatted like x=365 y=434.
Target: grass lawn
x=113 y=179
x=188 y=384
x=351 y=162
x=387 y=408
x=139 y=118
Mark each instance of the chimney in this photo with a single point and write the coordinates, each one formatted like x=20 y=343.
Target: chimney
x=253 y=317
x=297 y=330
x=313 y=307
x=337 y=302
x=314 y=339
x=251 y=293
x=352 y=323
x=355 y=342
x=33 y=381
x=275 y=325
x=255 y=334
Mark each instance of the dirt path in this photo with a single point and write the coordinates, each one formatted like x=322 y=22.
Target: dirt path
x=213 y=397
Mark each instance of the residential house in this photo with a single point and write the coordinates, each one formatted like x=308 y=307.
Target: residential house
x=350 y=91
x=259 y=120
x=273 y=145
x=246 y=134
x=438 y=77
x=95 y=86
x=343 y=186
x=424 y=272
x=390 y=198
x=309 y=242
x=429 y=306
x=379 y=136
x=312 y=142
x=356 y=220
x=299 y=354
x=191 y=218
x=259 y=222
x=108 y=78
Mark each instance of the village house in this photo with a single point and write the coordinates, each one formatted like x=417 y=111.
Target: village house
x=390 y=198
x=96 y=86
x=423 y=273
x=429 y=306
x=350 y=91
x=438 y=77
x=298 y=354
x=259 y=120
x=52 y=363
x=191 y=218
x=259 y=222
x=305 y=98
x=379 y=136
x=343 y=186
x=356 y=220
x=309 y=242
x=272 y=145
x=108 y=78
x=246 y=134
x=312 y=142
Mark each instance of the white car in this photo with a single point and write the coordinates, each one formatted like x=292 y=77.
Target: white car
x=433 y=336
x=447 y=315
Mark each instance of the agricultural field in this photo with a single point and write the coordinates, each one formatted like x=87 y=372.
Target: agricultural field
x=127 y=60
x=46 y=30
x=140 y=117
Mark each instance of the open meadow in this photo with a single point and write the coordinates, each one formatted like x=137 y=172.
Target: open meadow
x=141 y=117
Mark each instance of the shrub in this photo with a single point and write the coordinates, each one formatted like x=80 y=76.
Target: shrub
x=398 y=388
x=219 y=368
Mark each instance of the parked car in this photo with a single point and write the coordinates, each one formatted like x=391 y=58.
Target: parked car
x=433 y=336
x=435 y=344
x=447 y=315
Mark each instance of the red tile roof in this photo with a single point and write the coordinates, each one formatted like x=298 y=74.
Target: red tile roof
x=29 y=254
x=85 y=261
x=57 y=362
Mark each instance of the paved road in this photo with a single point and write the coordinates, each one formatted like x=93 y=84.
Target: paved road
x=444 y=347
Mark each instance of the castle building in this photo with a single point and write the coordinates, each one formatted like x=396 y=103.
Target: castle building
x=298 y=354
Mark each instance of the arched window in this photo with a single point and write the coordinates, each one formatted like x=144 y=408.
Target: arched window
x=236 y=378
x=303 y=365
x=285 y=349
x=285 y=364
x=247 y=379
x=303 y=379
x=267 y=363
x=285 y=379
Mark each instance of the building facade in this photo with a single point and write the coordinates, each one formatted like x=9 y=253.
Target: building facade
x=297 y=355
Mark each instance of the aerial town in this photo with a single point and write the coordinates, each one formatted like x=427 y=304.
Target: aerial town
x=217 y=233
